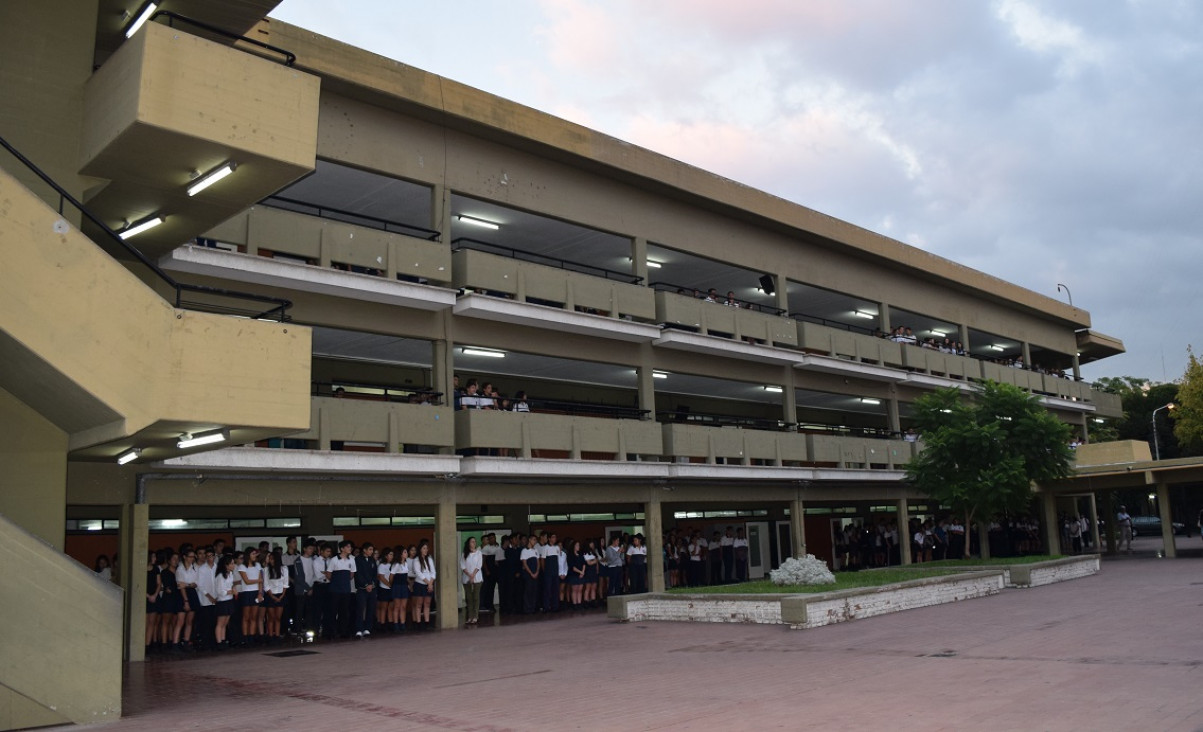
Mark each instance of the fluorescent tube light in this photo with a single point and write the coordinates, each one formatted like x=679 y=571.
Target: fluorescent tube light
x=996 y=347
x=939 y=333
x=483 y=352
x=863 y=314
x=653 y=264
x=209 y=438
x=210 y=178
x=478 y=222
x=141 y=226
x=147 y=10
x=129 y=456
x=774 y=389
x=869 y=400
x=659 y=375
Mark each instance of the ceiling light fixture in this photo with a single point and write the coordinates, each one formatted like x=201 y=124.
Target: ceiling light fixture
x=774 y=389
x=141 y=226
x=144 y=15
x=478 y=222
x=869 y=400
x=863 y=314
x=659 y=375
x=483 y=352
x=996 y=347
x=208 y=438
x=939 y=333
x=211 y=177
x=654 y=264
x=129 y=456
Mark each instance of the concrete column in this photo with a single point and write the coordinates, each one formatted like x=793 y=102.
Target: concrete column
x=789 y=402
x=1167 y=526
x=647 y=383
x=1094 y=526
x=904 y=532
x=1085 y=424
x=1025 y=349
x=1052 y=530
x=440 y=211
x=654 y=526
x=134 y=545
x=781 y=292
x=883 y=317
x=797 y=528
x=1109 y=517
x=639 y=259
x=895 y=422
x=446 y=559
x=1077 y=366
x=964 y=329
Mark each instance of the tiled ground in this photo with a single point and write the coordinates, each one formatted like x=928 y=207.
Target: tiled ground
x=1118 y=651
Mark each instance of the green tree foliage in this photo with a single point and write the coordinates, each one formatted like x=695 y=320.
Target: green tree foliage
x=1188 y=416
x=982 y=453
x=1139 y=398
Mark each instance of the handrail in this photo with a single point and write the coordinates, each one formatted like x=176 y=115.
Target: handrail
x=831 y=323
x=431 y=234
x=743 y=304
x=390 y=393
x=724 y=420
x=289 y=57
x=179 y=288
x=584 y=408
x=463 y=242
x=842 y=430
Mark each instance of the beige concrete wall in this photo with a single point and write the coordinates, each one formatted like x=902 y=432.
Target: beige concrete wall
x=1108 y=453
x=388 y=423
x=33 y=471
x=55 y=655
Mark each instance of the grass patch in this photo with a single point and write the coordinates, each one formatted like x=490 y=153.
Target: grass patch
x=843 y=581
x=992 y=562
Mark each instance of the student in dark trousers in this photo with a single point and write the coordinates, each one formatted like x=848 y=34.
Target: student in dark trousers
x=637 y=564
x=551 y=575
x=341 y=571
x=727 y=544
x=491 y=554
x=530 y=576
x=366 y=565
x=510 y=579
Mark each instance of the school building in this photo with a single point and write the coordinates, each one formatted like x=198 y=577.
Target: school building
x=289 y=249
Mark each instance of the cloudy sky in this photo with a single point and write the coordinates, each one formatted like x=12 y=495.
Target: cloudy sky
x=1041 y=142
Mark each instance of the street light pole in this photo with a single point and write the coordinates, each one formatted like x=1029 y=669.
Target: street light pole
x=1156 y=444
x=1067 y=292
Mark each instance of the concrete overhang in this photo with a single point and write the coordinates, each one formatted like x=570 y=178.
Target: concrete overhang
x=718 y=346
x=550 y=318
x=1067 y=404
x=844 y=367
x=309 y=278
x=255 y=459
x=1093 y=346
x=928 y=381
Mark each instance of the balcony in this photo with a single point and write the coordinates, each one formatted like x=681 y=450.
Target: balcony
x=168 y=105
x=538 y=435
x=298 y=251
x=508 y=287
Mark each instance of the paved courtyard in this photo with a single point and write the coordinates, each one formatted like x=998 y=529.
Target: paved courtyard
x=1118 y=651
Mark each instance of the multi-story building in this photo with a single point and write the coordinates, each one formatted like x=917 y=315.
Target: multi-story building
x=396 y=231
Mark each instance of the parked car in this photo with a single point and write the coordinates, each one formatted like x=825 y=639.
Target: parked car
x=1151 y=526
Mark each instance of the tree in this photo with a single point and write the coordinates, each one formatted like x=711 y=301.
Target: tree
x=981 y=453
x=1139 y=397
x=1188 y=415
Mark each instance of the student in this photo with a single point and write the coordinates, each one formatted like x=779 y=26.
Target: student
x=740 y=546
x=340 y=571
x=613 y=563
x=223 y=587
x=576 y=574
x=423 y=573
x=591 y=574
x=637 y=561
x=250 y=595
x=206 y=611
x=727 y=544
x=550 y=574
x=302 y=579
x=171 y=603
x=154 y=587
x=492 y=554
x=275 y=591
x=399 y=582
x=384 y=589
x=187 y=576
x=103 y=569
x=471 y=574
x=365 y=590
x=714 y=558
x=529 y=559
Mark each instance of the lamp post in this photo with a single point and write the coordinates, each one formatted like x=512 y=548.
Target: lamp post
x=1156 y=444
x=1067 y=292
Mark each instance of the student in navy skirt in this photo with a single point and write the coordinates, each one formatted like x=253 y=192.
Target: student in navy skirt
x=423 y=573
x=400 y=585
x=171 y=602
x=591 y=574
x=275 y=590
x=154 y=586
x=186 y=576
x=223 y=588
x=576 y=574
x=384 y=588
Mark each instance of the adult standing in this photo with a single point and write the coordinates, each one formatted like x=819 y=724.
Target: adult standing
x=1125 y=528
x=423 y=573
x=530 y=576
x=550 y=574
x=727 y=544
x=366 y=569
x=637 y=562
x=614 y=566
x=490 y=553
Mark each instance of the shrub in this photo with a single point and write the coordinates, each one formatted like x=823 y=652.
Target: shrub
x=805 y=571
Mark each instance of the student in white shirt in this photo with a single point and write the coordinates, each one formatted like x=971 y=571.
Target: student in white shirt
x=637 y=564
x=206 y=611
x=529 y=559
x=323 y=603
x=549 y=555
x=400 y=585
x=384 y=588
x=250 y=597
x=423 y=573
x=741 y=556
x=471 y=569
x=275 y=594
x=223 y=587
x=186 y=575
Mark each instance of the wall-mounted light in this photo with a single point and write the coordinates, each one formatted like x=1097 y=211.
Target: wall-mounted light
x=188 y=440
x=143 y=15
x=869 y=400
x=774 y=389
x=129 y=456
x=478 y=222
x=141 y=226
x=482 y=352
x=210 y=178
x=659 y=375
x=863 y=314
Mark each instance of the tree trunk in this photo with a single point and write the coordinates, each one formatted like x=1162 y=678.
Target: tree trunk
x=983 y=539
x=966 y=538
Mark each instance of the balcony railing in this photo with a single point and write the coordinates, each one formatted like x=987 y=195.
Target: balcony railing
x=537 y=435
x=763 y=325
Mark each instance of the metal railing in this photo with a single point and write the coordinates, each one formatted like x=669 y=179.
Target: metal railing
x=703 y=419
x=464 y=242
x=179 y=288
x=695 y=293
x=832 y=324
x=289 y=57
x=354 y=390
x=348 y=217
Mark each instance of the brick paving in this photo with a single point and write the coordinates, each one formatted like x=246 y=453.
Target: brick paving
x=1120 y=650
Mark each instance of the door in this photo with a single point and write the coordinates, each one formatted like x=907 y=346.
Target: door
x=785 y=543
x=758 y=549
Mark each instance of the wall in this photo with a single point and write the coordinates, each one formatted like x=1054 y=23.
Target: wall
x=33 y=471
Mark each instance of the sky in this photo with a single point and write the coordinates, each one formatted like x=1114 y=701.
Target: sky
x=1044 y=143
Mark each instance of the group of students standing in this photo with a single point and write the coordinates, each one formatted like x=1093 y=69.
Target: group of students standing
x=691 y=560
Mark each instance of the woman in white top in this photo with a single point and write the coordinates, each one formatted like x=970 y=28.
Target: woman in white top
x=275 y=589
x=384 y=587
x=250 y=596
x=186 y=576
x=223 y=586
x=103 y=569
x=399 y=603
x=422 y=571
x=471 y=566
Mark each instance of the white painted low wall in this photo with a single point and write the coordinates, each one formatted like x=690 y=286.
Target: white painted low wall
x=1054 y=570
x=702 y=608
x=813 y=611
